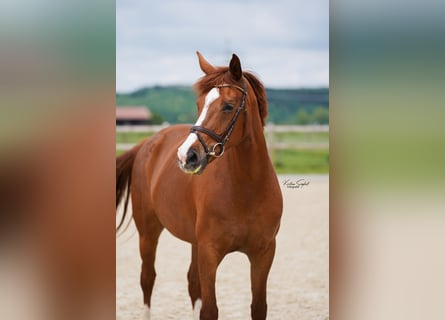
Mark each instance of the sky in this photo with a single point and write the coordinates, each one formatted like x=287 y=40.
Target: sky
x=284 y=42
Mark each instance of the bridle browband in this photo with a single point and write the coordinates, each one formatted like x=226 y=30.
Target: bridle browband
x=223 y=138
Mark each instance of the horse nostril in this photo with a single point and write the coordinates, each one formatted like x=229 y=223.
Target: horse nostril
x=192 y=157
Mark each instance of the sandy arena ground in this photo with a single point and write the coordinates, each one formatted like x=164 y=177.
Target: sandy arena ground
x=298 y=282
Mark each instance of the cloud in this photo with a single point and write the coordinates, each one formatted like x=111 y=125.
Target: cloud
x=285 y=42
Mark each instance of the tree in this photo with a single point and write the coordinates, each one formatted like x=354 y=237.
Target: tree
x=157 y=118
x=320 y=115
x=303 y=117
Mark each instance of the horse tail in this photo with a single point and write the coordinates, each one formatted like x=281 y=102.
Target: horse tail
x=124 y=168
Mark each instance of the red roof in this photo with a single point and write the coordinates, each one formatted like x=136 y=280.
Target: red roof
x=133 y=113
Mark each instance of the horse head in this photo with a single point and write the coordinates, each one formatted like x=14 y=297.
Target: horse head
x=222 y=105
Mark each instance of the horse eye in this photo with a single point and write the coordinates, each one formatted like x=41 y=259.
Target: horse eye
x=227 y=107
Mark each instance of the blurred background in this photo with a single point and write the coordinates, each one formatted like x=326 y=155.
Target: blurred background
x=387 y=212
x=57 y=113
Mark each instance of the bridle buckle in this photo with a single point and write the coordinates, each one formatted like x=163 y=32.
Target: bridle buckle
x=213 y=153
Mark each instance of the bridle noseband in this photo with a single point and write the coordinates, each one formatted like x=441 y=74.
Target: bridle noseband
x=223 y=138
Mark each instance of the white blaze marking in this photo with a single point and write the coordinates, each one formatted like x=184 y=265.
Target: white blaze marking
x=197 y=309
x=147 y=314
x=210 y=97
x=182 y=150
x=192 y=137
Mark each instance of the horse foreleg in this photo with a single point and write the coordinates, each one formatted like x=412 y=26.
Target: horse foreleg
x=208 y=261
x=148 y=241
x=193 y=284
x=260 y=263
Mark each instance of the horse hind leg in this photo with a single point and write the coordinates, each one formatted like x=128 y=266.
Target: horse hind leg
x=194 y=286
x=148 y=241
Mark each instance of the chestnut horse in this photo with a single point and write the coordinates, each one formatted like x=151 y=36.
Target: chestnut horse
x=211 y=184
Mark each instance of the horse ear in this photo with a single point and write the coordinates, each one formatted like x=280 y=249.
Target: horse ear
x=205 y=66
x=235 y=68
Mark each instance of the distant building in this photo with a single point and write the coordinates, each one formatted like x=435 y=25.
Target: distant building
x=134 y=115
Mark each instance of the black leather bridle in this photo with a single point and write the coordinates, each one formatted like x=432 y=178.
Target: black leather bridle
x=223 y=138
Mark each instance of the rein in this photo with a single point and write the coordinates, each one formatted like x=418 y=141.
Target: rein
x=223 y=138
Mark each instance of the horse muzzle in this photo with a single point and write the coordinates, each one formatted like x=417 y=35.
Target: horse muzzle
x=194 y=163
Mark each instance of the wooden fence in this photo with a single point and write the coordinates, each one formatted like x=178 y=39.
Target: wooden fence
x=273 y=142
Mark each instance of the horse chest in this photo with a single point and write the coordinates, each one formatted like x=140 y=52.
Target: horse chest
x=239 y=225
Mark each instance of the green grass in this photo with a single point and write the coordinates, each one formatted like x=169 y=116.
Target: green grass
x=296 y=161
x=132 y=137
x=285 y=161
x=301 y=161
x=301 y=136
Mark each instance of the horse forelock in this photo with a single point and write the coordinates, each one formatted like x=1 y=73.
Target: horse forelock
x=221 y=75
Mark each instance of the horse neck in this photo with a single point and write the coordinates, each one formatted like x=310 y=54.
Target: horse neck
x=251 y=155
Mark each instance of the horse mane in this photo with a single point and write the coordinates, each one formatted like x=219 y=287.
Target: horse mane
x=221 y=75
x=260 y=93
